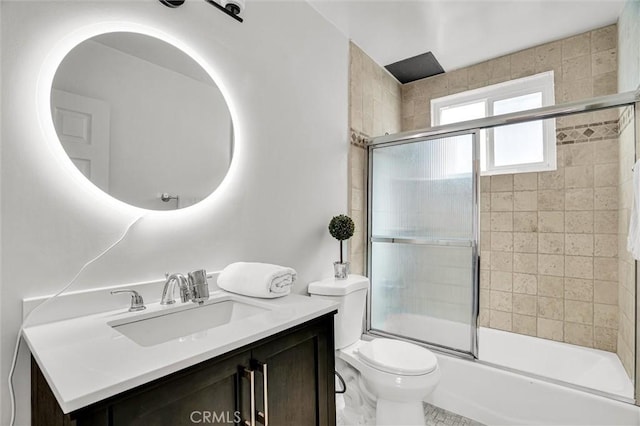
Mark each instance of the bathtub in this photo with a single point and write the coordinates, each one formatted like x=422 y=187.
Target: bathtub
x=497 y=397
x=586 y=367
x=483 y=391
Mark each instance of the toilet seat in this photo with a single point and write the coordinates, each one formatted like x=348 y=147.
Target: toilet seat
x=397 y=357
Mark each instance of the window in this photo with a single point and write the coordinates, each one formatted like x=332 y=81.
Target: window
x=516 y=148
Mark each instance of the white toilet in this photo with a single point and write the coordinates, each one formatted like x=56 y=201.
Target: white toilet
x=399 y=375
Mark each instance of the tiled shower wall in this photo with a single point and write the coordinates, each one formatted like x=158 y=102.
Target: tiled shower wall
x=550 y=241
x=626 y=264
x=374 y=109
x=584 y=66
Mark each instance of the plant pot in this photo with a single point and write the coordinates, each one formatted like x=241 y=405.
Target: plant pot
x=341 y=270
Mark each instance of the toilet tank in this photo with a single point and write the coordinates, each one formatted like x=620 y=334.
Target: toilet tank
x=351 y=294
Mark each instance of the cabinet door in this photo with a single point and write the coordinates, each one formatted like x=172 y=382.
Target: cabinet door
x=300 y=382
x=213 y=394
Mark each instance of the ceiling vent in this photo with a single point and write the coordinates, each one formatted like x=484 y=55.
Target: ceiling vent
x=415 y=68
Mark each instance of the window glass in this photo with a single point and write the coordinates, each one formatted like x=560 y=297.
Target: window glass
x=466 y=112
x=519 y=143
x=457 y=113
x=517 y=148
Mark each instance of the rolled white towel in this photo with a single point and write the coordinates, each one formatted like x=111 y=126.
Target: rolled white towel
x=257 y=279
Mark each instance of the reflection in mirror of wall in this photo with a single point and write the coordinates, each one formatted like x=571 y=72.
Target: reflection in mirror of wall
x=142 y=120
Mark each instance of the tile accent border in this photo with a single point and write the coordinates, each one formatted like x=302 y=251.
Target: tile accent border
x=626 y=118
x=359 y=139
x=588 y=132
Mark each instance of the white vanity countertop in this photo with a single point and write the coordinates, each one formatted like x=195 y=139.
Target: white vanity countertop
x=85 y=360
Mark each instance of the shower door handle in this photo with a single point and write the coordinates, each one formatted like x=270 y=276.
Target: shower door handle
x=452 y=242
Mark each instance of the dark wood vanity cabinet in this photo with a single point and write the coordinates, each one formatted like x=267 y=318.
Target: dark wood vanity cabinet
x=298 y=364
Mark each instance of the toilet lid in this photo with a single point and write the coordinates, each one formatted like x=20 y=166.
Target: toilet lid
x=398 y=357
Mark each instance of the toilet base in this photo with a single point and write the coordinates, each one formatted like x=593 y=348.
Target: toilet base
x=394 y=413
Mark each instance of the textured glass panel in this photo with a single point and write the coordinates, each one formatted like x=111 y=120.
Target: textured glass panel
x=424 y=189
x=423 y=292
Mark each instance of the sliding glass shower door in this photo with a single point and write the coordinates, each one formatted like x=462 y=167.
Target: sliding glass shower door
x=423 y=240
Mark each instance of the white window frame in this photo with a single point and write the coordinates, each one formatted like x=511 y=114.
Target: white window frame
x=539 y=83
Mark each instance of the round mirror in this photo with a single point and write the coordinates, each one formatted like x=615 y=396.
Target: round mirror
x=142 y=120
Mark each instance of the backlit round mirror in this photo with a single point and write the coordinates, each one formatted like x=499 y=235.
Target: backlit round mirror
x=142 y=120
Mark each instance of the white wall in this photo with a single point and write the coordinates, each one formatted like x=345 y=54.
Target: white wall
x=629 y=47
x=168 y=132
x=285 y=71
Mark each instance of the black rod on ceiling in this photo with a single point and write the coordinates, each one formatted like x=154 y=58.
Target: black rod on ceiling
x=229 y=7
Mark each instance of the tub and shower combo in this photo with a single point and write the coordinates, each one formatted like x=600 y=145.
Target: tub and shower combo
x=430 y=267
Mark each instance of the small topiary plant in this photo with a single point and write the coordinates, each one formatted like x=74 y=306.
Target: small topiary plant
x=341 y=228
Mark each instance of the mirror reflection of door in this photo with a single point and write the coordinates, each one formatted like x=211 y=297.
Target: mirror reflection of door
x=82 y=125
x=169 y=127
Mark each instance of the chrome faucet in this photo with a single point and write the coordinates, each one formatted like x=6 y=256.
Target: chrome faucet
x=169 y=286
x=195 y=288
x=198 y=286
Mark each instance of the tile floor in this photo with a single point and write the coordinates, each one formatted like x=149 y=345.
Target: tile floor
x=436 y=416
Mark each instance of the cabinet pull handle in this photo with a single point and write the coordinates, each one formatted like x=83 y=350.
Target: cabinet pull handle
x=264 y=417
x=250 y=375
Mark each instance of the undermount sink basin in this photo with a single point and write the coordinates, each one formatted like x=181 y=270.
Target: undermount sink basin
x=188 y=324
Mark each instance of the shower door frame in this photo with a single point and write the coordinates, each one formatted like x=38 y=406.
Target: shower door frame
x=475 y=234
x=626 y=99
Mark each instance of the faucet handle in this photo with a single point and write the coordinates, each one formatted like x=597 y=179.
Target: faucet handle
x=137 y=302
